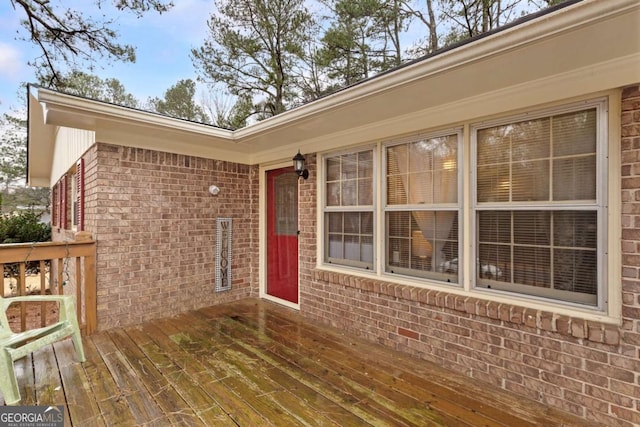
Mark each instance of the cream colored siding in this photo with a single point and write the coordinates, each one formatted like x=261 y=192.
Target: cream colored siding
x=70 y=145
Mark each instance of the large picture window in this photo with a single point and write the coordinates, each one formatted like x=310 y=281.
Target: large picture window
x=539 y=205
x=422 y=210
x=348 y=210
x=515 y=206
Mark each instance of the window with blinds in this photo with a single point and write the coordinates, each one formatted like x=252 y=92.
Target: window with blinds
x=537 y=205
x=422 y=209
x=349 y=209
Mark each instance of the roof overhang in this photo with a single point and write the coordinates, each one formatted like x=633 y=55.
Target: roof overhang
x=583 y=48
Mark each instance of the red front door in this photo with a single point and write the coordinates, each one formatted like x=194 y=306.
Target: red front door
x=282 y=234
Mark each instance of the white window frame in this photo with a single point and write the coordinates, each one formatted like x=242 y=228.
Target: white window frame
x=457 y=207
x=343 y=262
x=599 y=206
x=608 y=308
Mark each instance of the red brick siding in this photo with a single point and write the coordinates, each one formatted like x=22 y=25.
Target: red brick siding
x=155 y=225
x=587 y=368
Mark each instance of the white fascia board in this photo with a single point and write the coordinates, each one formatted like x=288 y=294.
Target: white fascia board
x=96 y=110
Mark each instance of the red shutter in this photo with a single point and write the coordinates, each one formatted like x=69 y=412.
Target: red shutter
x=63 y=202
x=60 y=203
x=80 y=194
x=54 y=206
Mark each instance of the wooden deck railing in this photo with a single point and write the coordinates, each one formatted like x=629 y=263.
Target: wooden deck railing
x=52 y=267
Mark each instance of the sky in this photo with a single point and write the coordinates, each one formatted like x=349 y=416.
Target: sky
x=163 y=43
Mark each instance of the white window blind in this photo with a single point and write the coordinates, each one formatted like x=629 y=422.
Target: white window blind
x=537 y=209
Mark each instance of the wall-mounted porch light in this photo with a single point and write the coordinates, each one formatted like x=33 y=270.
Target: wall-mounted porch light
x=298 y=166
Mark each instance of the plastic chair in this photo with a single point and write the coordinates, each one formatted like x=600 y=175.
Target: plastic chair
x=14 y=346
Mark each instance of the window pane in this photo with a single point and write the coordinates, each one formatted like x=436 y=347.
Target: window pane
x=350 y=179
x=349 y=193
x=333 y=169
x=493 y=262
x=518 y=162
x=423 y=171
x=532 y=227
x=398 y=224
x=349 y=166
x=576 y=271
x=576 y=229
x=366 y=223
x=397 y=159
x=420 y=188
x=365 y=164
x=335 y=222
x=350 y=238
x=530 y=181
x=395 y=191
x=531 y=266
x=530 y=139
x=574 y=133
x=494 y=226
x=445 y=188
x=352 y=247
x=333 y=194
x=365 y=192
x=335 y=246
x=423 y=243
x=493 y=145
x=543 y=253
x=575 y=178
x=366 y=250
x=494 y=183
x=352 y=222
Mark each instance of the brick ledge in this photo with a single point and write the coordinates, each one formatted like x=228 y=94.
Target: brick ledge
x=509 y=313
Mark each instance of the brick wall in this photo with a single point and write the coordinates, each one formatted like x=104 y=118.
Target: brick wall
x=155 y=225
x=587 y=368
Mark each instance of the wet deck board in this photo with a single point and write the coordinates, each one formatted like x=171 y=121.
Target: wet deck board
x=253 y=363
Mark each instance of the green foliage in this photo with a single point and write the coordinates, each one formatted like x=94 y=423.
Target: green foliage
x=92 y=86
x=231 y=117
x=179 y=102
x=23 y=227
x=38 y=198
x=13 y=149
x=354 y=44
x=469 y=18
x=254 y=48
x=13 y=160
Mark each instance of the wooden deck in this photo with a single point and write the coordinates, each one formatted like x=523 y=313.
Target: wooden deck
x=254 y=363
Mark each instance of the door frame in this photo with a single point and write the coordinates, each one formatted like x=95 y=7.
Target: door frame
x=262 y=230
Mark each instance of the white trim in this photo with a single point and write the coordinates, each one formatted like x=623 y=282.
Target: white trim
x=600 y=104
x=611 y=274
x=447 y=207
x=614 y=208
x=322 y=176
x=61 y=102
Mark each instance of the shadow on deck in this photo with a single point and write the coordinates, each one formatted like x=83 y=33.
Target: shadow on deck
x=254 y=363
